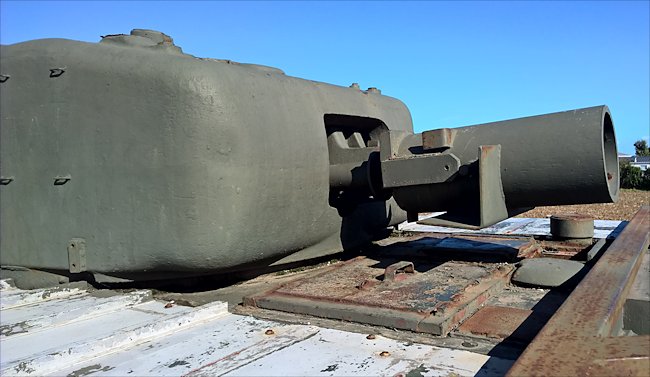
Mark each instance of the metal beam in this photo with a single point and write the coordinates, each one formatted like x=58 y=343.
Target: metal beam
x=579 y=338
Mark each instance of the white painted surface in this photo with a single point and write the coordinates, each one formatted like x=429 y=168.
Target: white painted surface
x=11 y=298
x=53 y=313
x=515 y=226
x=5 y=285
x=130 y=334
x=128 y=328
x=340 y=353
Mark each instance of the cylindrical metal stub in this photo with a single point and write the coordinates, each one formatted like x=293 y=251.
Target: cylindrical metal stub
x=572 y=226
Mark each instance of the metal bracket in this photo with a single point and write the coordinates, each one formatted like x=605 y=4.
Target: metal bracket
x=6 y=180
x=419 y=169
x=77 y=255
x=390 y=141
x=492 y=202
x=61 y=180
x=396 y=271
x=442 y=138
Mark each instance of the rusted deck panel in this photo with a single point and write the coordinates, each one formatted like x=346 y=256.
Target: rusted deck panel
x=423 y=298
x=579 y=339
x=502 y=322
x=429 y=283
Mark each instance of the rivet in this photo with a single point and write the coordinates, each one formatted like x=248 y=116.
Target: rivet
x=4 y=78
x=269 y=332
x=384 y=353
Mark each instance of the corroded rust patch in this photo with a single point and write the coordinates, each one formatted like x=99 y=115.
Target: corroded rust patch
x=416 y=296
x=500 y=322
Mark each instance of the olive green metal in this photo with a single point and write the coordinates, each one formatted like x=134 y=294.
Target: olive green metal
x=572 y=226
x=554 y=159
x=173 y=165
x=130 y=159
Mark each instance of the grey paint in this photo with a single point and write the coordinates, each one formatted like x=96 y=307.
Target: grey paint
x=167 y=165
x=572 y=226
x=545 y=272
x=176 y=164
x=554 y=159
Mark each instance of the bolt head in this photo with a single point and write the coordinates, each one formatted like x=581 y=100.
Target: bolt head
x=469 y=344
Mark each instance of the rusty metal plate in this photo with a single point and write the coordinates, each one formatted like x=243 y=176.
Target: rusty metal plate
x=573 y=250
x=500 y=322
x=431 y=298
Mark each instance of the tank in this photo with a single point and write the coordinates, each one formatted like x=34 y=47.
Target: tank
x=130 y=159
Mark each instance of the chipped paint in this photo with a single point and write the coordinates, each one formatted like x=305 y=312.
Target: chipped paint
x=14 y=328
x=91 y=369
x=147 y=339
x=417 y=372
x=60 y=312
x=433 y=301
x=20 y=298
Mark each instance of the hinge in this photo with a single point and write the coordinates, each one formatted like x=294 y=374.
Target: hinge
x=77 y=255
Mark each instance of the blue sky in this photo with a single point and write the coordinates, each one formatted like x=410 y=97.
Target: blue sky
x=453 y=64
